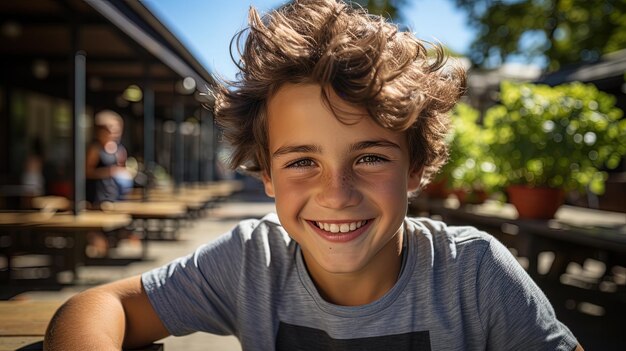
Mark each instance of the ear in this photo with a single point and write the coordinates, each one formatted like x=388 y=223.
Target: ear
x=414 y=179
x=267 y=183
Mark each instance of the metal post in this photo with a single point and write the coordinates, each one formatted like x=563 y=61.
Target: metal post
x=179 y=159
x=148 y=135
x=209 y=147
x=194 y=166
x=201 y=146
x=79 y=130
x=7 y=139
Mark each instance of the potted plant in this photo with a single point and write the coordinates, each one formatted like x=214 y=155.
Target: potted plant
x=468 y=173
x=550 y=140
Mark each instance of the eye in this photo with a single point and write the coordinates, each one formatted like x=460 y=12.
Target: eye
x=301 y=163
x=371 y=159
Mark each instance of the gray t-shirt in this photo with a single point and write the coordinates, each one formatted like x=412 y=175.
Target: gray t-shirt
x=459 y=289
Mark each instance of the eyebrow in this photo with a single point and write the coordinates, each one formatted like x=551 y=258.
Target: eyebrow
x=287 y=149
x=362 y=145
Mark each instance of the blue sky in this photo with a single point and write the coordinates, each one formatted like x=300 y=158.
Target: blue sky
x=206 y=26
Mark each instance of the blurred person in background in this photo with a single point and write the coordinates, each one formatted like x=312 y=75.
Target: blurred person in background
x=105 y=165
x=32 y=175
x=105 y=172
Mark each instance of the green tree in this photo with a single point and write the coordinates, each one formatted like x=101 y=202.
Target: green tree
x=387 y=8
x=561 y=31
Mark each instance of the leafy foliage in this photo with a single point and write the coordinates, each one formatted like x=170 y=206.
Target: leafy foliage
x=560 y=137
x=563 y=31
x=469 y=166
x=385 y=8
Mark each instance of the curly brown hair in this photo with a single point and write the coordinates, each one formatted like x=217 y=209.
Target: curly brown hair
x=364 y=59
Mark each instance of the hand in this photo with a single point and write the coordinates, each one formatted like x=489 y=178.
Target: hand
x=115 y=170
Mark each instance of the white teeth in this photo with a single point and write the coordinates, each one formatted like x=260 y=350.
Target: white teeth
x=343 y=227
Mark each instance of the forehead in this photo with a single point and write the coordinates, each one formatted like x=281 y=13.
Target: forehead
x=299 y=113
x=308 y=95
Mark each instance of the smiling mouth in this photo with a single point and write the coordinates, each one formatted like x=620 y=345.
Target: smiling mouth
x=340 y=227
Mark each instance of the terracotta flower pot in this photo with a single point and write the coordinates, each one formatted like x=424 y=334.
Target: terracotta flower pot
x=473 y=197
x=437 y=189
x=535 y=203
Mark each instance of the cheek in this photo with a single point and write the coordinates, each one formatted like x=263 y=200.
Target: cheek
x=386 y=182
x=388 y=189
x=291 y=191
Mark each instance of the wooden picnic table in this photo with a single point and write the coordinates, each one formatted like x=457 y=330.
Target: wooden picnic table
x=144 y=211
x=26 y=318
x=23 y=324
x=84 y=221
x=213 y=190
x=218 y=189
x=57 y=203
x=193 y=202
x=60 y=235
x=19 y=219
x=62 y=221
x=196 y=201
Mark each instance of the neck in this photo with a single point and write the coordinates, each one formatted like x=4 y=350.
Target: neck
x=366 y=285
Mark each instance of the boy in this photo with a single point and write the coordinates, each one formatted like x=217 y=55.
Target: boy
x=341 y=116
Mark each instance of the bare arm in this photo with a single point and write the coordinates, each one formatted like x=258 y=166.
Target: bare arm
x=122 y=156
x=105 y=318
x=91 y=165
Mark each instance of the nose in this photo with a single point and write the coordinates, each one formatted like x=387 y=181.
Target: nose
x=338 y=190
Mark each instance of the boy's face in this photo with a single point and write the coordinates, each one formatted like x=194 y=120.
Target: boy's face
x=350 y=179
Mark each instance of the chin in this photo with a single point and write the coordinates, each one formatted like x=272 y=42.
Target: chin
x=341 y=265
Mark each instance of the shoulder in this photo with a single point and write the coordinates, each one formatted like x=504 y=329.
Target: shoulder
x=249 y=240
x=455 y=242
x=469 y=252
x=93 y=148
x=249 y=243
x=269 y=221
x=263 y=229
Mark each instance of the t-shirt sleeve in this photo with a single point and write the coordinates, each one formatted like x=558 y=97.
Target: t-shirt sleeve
x=197 y=292
x=514 y=312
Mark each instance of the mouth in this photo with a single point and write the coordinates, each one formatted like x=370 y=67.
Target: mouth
x=340 y=232
x=340 y=227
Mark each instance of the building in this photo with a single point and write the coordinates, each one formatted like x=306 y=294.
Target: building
x=63 y=60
